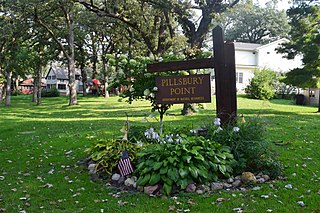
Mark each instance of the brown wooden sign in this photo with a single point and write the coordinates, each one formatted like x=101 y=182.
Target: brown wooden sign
x=183 y=89
x=225 y=75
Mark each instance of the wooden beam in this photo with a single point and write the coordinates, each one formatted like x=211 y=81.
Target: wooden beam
x=181 y=65
x=226 y=100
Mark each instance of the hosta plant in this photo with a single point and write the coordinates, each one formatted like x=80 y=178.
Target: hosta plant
x=107 y=153
x=192 y=160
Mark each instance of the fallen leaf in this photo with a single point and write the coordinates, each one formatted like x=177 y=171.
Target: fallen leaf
x=172 y=208
x=122 y=203
x=192 y=202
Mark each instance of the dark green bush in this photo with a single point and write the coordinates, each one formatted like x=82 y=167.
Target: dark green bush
x=194 y=160
x=252 y=151
x=53 y=92
x=262 y=85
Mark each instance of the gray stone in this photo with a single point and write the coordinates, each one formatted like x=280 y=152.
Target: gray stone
x=92 y=168
x=204 y=188
x=216 y=186
x=261 y=180
x=199 y=191
x=121 y=180
x=115 y=177
x=130 y=182
x=191 y=188
x=227 y=185
x=238 y=177
x=94 y=177
x=230 y=180
x=266 y=177
x=236 y=183
x=151 y=189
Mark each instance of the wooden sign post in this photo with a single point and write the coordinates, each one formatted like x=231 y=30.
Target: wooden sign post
x=225 y=74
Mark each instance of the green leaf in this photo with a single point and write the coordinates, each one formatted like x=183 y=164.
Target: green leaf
x=199 y=157
x=183 y=183
x=186 y=158
x=183 y=172
x=167 y=188
x=222 y=169
x=173 y=174
x=154 y=179
x=164 y=170
x=143 y=180
x=171 y=159
x=194 y=171
x=157 y=166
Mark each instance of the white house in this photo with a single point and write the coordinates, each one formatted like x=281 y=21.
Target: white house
x=57 y=77
x=250 y=56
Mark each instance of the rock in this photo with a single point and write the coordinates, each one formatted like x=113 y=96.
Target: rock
x=216 y=186
x=130 y=182
x=204 y=188
x=151 y=189
x=261 y=180
x=94 y=177
x=121 y=180
x=191 y=187
x=199 y=191
x=248 y=177
x=92 y=168
x=230 y=180
x=227 y=185
x=238 y=177
x=266 y=177
x=115 y=177
x=236 y=183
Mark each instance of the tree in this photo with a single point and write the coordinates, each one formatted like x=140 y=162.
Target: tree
x=57 y=18
x=249 y=22
x=304 y=19
x=262 y=85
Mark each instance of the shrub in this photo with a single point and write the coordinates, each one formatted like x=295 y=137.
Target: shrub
x=195 y=159
x=262 y=85
x=53 y=92
x=252 y=151
x=107 y=153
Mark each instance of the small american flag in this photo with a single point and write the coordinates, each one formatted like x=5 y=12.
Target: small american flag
x=124 y=164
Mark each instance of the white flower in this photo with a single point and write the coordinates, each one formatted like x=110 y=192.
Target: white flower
x=131 y=89
x=152 y=95
x=139 y=144
x=217 y=121
x=236 y=129
x=146 y=92
x=155 y=89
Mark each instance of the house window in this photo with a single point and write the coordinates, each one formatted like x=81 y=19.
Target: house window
x=62 y=86
x=49 y=77
x=312 y=93
x=53 y=77
x=239 y=77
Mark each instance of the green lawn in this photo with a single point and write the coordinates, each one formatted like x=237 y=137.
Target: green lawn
x=40 y=147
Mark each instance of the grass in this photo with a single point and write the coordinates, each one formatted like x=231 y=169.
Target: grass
x=40 y=147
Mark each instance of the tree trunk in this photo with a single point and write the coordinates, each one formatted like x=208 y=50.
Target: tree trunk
x=318 y=100
x=39 y=88
x=35 y=89
x=8 y=87
x=71 y=64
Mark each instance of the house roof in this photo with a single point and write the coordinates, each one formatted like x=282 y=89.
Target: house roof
x=246 y=46
x=61 y=73
x=252 y=46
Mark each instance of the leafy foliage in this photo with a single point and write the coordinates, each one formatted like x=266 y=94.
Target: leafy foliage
x=107 y=153
x=262 y=85
x=249 y=22
x=196 y=159
x=249 y=146
x=53 y=92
